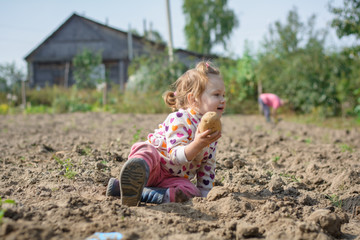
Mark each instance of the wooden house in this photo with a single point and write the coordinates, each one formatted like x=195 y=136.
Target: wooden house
x=51 y=62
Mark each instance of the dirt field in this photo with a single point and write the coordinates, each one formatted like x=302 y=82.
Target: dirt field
x=288 y=181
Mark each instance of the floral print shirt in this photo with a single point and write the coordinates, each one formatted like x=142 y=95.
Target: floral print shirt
x=177 y=131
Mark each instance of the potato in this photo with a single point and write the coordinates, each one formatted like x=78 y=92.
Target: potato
x=211 y=121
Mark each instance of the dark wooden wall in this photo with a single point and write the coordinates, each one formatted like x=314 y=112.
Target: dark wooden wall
x=50 y=62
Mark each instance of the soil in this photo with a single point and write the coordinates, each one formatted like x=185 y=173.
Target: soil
x=284 y=181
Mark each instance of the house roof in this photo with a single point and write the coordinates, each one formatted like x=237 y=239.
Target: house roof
x=78 y=32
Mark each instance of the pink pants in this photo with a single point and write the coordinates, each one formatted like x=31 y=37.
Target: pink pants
x=159 y=176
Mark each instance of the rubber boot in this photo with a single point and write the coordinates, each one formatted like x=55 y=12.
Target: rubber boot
x=133 y=178
x=113 y=188
x=153 y=195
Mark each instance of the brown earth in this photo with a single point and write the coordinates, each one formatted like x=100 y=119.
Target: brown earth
x=289 y=181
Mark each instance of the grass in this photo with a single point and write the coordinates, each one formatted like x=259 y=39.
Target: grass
x=333 y=122
x=62 y=100
x=52 y=100
x=293 y=178
x=269 y=173
x=276 y=159
x=136 y=135
x=85 y=151
x=104 y=162
x=346 y=148
x=2 y=210
x=335 y=200
x=68 y=167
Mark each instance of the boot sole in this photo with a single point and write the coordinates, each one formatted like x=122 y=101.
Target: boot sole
x=132 y=181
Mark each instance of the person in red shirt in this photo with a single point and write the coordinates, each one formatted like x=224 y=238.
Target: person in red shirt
x=267 y=101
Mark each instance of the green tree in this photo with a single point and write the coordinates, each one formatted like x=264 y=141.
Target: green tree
x=153 y=73
x=208 y=22
x=240 y=80
x=10 y=78
x=3 y=85
x=293 y=35
x=347 y=23
x=347 y=20
x=289 y=34
x=154 y=36
x=294 y=65
x=88 y=69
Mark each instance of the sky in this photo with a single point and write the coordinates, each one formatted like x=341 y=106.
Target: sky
x=25 y=24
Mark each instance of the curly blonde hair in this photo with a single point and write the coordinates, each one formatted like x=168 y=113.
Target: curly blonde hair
x=192 y=81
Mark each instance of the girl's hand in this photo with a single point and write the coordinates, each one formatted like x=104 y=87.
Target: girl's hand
x=201 y=140
x=205 y=138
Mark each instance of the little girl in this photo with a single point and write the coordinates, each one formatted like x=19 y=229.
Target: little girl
x=160 y=169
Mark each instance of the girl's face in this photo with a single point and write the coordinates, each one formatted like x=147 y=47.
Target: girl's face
x=213 y=98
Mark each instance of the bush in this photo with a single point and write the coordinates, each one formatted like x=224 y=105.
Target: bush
x=37 y=109
x=61 y=104
x=4 y=108
x=44 y=96
x=133 y=102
